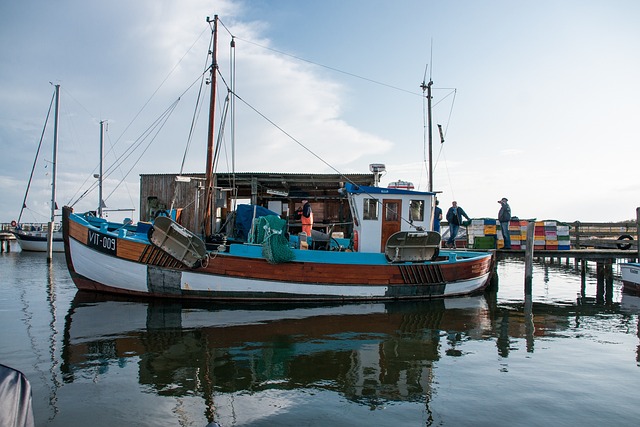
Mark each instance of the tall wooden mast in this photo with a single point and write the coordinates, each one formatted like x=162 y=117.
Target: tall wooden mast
x=209 y=205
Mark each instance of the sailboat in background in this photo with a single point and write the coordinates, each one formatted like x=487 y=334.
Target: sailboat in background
x=36 y=237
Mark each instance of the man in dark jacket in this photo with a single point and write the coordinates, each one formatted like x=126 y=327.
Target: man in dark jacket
x=437 y=217
x=504 y=216
x=454 y=218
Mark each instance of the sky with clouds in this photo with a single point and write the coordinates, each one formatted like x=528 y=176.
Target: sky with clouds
x=538 y=100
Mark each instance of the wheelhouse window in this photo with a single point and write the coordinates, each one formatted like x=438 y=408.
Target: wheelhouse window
x=391 y=211
x=370 y=209
x=416 y=210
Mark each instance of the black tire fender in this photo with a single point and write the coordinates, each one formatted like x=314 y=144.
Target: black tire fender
x=624 y=246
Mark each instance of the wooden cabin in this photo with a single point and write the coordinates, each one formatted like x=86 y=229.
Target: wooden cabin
x=279 y=192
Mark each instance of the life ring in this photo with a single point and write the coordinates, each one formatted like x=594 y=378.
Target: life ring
x=356 y=243
x=624 y=246
x=14 y=223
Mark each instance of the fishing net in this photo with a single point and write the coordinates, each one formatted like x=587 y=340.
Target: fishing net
x=275 y=247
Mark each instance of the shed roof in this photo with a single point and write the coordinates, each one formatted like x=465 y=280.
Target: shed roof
x=295 y=185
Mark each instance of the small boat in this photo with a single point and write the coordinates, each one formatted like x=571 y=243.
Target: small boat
x=33 y=238
x=38 y=237
x=391 y=255
x=630 y=273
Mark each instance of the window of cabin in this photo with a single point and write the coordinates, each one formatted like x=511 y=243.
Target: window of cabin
x=370 y=209
x=416 y=210
x=391 y=211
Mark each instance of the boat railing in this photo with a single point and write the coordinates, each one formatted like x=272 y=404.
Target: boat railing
x=31 y=226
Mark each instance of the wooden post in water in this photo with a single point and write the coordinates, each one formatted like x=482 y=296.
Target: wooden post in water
x=583 y=278
x=528 y=258
x=608 y=280
x=600 y=282
x=529 y=325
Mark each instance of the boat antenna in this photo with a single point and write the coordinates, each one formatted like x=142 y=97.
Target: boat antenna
x=426 y=87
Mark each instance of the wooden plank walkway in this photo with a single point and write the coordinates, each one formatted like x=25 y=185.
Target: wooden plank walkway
x=588 y=254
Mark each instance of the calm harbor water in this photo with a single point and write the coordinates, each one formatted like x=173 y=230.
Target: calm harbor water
x=491 y=360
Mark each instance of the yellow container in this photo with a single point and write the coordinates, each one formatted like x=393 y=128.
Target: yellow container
x=490 y=229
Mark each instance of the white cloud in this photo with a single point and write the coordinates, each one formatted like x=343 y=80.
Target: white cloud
x=534 y=111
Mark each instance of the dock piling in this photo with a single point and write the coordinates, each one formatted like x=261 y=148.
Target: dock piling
x=528 y=259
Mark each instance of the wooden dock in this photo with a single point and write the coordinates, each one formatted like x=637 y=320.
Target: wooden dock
x=605 y=259
x=6 y=239
x=583 y=254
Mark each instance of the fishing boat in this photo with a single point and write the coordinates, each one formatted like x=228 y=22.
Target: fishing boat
x=392 y=253
x=630 y=273
x=38 y=237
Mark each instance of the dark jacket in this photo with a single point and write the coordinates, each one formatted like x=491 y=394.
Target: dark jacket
x=454 y=219
x=505 y=213
x=304 y=211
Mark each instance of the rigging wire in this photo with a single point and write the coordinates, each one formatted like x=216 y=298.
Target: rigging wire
x=197 y=109
x=346 y=178
x=427 y=70
x=35 y=161
x=138 y=142
x=289 y=135
x=442 y=145
x=232 y=66
x=330 y=68
x=112 y=147
x=236 y=96
x=200 y=102
x=159 y=87
x=157 y=124
x=158 y=129
x=119 y=169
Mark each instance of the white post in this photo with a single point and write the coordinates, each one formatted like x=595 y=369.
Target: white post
x=100 y=171
x=53 y=179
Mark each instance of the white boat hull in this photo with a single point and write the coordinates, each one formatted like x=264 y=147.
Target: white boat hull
x=36 y=241
x=630 y=274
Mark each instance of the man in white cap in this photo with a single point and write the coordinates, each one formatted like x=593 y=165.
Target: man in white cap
x=504 y=216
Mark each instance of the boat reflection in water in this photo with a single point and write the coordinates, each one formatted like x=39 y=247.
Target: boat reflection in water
x=370 y=353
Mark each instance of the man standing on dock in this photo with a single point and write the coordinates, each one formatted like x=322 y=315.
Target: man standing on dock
x=504 y=216
x=454 y=217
